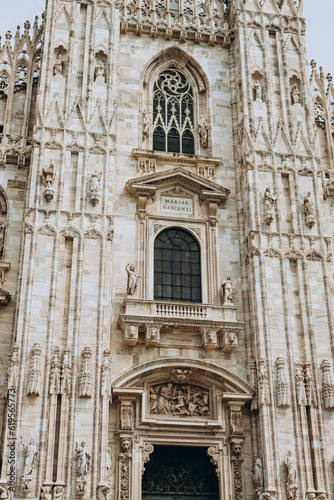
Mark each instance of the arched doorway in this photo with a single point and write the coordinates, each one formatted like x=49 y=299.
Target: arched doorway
x=179 y=473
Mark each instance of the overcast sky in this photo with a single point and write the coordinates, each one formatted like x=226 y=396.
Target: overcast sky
x=319 y=16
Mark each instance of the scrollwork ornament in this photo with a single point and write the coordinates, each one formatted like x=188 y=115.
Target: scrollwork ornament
x=147 y=451
x=213 y=454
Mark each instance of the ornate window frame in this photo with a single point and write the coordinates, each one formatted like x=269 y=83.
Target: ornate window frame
x=190 y=68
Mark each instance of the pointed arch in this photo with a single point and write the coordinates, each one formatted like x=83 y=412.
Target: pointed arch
x=183 y=61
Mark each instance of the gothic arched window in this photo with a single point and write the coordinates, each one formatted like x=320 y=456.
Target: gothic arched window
x=173 y=113
x=177 y=266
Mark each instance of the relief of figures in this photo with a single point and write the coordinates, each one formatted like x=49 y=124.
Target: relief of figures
x=179 y=400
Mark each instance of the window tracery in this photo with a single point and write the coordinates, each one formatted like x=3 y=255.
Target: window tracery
x=21 y=74
x=4 y=82
x=173 y=116
x=319 y=112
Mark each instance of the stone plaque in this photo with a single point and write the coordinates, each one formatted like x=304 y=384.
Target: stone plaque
x=176 y=205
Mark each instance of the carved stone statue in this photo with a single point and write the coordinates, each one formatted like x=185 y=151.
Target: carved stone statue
x=227 y=291
x=292 y=479
x=258 y=474
x=58 y=66
x=295 y=95
x=83 y=459
x=269 y=202
x=94 y=186
x=203 y=130
x=108 y=463
x=132 y=279
x=309 y=210
x=126 y=446
x=309 y=205
x=30 y=457
x=100 y=72
x=146 y=124
x=48 y=177
x=258 y=90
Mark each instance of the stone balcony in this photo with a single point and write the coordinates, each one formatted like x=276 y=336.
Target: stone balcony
x=217 y=325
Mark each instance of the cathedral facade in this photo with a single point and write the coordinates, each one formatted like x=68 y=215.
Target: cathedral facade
x=166 y=226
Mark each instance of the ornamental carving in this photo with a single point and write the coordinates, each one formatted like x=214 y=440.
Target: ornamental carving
x=66 y=372
x=124 y=469
x=35 y=374
x=86 y=375
x=292 y=484
x=282 y=385
x=55 y=372
x=263 y=383
x=327 y=384
x=147 y=451
x=13 y=367
x=179 y=400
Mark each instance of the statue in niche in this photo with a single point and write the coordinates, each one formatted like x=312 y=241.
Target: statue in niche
x=227 y=291
x=309 y=210
x=30 y=457
x=258 y=90
x=309 y=205
x=132 y=279
x=258 y=474
x=292 y=479
x=295 y=94
x=108 y=463
x=100 y=72
x=58 y=66
x=146 y=124
x=203 y=130
x=83 y=459
x=2 y=237
x=269 y=202
x=48 y=177
x=94 y=186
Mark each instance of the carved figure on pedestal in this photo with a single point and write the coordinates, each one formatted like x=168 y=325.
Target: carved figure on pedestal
x=309 y=210
x=58 y=66
x=227 y=288
x=203 y=130
x=132 y=279
x=94 y=186
x=146 y=124
x=108 y=463
x=292 y=479
x=83 y=467
x=263 y=383
x=100 y=72
x=269 y=202
x=295 y=95
x=258 y=475
x=258 y=90
x=83 y=458
x=86 y=375
x=48 y=177
x=30 y=457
